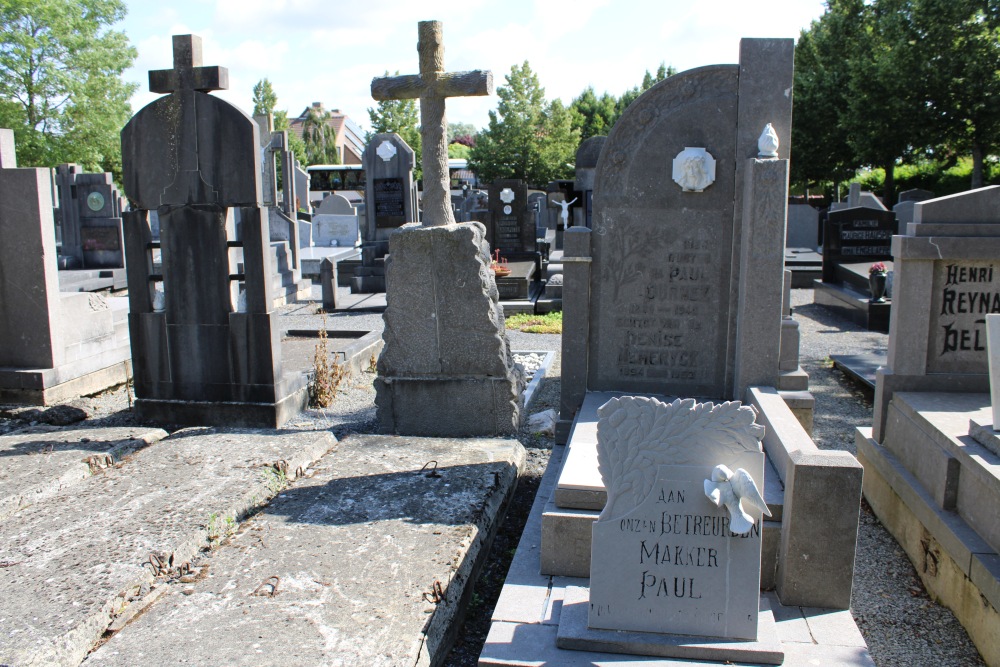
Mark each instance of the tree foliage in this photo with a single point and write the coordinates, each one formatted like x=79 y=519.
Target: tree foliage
x=264 y=102
x=60 y=81
x=295 y=143
x=593 y=115
x=264 y=98
x=318 y=137
x=527 y=137
x=881 y=83
x=456 y=130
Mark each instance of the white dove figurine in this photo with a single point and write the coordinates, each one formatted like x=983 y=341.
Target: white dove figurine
x=729 y=488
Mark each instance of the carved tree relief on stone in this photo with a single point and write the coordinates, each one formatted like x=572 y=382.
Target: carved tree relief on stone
x=639 y=434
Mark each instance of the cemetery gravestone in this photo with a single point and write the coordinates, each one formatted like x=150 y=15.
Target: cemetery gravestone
x=511 y=230
x=677 y=548
x=668 y=294
x=857 y=235
x=53 y=345
x=284 y=231
x=908 y=199
x=803 y=227
x=678 y=290
x=930 y=454
x=853 y=240
x=446 y=368
x=335 y=223
x=390 y=202
x=586 y=166
x=203 y=353
x=90 y=219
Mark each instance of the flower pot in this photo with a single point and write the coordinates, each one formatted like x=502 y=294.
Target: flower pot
x=876 y=285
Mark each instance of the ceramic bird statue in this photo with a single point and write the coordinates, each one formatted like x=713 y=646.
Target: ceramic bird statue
x=730 y=488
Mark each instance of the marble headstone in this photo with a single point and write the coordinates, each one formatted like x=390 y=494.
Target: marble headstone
x=336 y=223
x=665 y=558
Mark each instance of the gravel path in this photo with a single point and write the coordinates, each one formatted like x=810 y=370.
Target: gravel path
x=901 y=624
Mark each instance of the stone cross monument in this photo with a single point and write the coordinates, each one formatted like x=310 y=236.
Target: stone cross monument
x=206 y=346
x=446 y=369
x=432 y=86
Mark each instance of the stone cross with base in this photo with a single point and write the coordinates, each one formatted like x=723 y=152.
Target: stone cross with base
x=432 y=86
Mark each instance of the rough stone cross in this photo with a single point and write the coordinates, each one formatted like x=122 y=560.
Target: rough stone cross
x=188 y=72
x=432 y=86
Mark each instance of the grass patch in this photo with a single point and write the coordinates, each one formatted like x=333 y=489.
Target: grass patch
x=549 y=323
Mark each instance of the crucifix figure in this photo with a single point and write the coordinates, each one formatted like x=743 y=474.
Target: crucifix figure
x=432 y=86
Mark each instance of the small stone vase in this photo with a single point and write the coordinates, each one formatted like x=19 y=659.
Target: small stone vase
x=876 y=285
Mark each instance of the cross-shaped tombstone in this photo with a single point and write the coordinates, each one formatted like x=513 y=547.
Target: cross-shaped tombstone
x=188 y=72
x=432 y=86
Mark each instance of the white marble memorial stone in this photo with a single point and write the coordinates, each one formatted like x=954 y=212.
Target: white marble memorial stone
x=667 y=556
x=330 y=230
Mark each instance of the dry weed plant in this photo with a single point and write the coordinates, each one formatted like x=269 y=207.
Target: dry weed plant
x=327 y=374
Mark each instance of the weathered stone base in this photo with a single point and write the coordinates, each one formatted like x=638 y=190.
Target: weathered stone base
x=576 y=635
x=229 y=414
x=447 y=407
x=32 y=386
x=446 y=368
x=955 y=565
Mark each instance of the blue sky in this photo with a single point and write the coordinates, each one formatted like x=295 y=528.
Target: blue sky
x=330 y=51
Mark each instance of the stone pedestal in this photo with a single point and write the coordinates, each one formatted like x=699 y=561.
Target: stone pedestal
x=446 y=369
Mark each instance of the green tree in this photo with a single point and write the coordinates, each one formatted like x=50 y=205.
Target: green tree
x=593 y=115
x=820 y=148
x=886 y=112
x=527 y=137
x=458 y=151
x=295 y=143
x=319 y=138
x=961 y=40
x=401 y=117
x=648 y=81
x=456 y=130
x=264 y=98
x=60 y=81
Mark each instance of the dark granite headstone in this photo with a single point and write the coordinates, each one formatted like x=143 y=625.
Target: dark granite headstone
x=586 y=166
x=203 y=353
x=512 y=226
x=53 y=345
x=390 y=202
x=856 y=235
x=89 y=217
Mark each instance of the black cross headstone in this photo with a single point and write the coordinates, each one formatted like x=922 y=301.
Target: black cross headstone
x=432 y=86
x=188 y=72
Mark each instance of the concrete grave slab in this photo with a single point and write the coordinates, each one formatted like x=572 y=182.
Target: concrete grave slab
x=76 y=561
x=39 y=461
x=355 y=554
